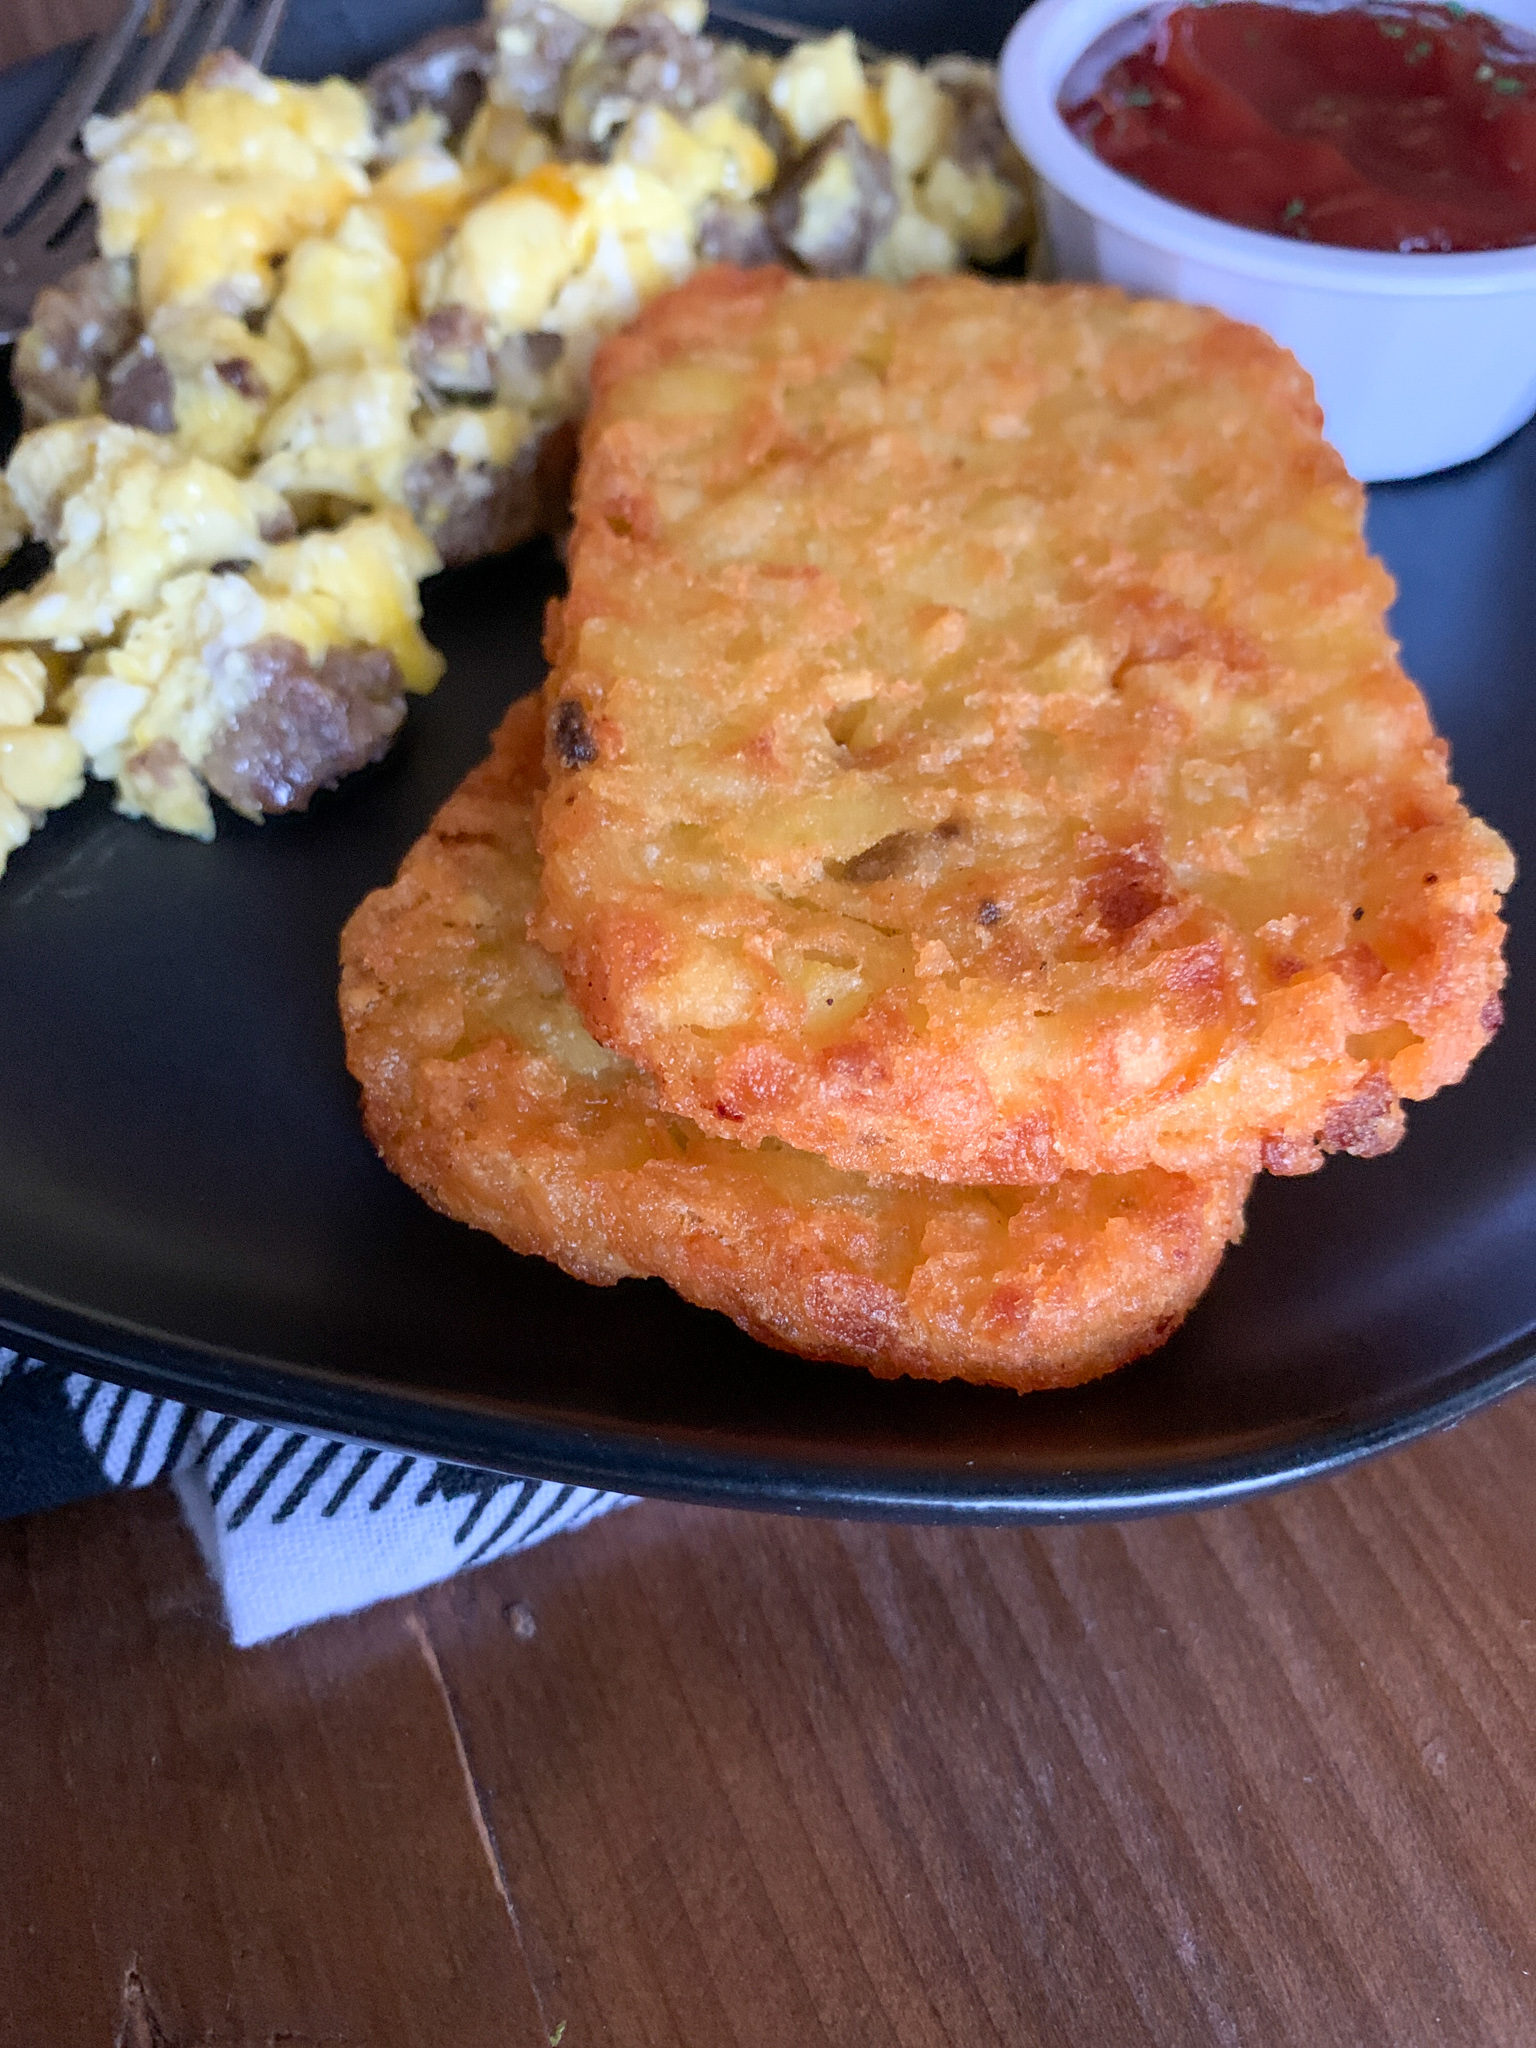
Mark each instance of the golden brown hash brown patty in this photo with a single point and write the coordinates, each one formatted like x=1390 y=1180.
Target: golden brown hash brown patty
x=976 y=748
x=482 y=1089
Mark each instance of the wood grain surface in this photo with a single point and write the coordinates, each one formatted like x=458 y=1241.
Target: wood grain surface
x=1258 y=1776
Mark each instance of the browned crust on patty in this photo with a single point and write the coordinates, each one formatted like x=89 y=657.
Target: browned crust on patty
x=994 y=761
x=481 y=1089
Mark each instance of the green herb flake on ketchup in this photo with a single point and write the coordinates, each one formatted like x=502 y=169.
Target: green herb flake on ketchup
x=1410 y=128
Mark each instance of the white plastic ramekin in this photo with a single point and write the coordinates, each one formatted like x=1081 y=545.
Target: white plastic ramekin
x=1419 y=361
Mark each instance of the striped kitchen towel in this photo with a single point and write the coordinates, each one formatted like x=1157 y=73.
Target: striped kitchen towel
x=296 y=1527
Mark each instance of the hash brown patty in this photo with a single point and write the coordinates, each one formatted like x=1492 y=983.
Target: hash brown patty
x=482 y=1089
x=976 y=746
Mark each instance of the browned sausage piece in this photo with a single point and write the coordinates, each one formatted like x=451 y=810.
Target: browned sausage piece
x=80 y=326
x=535 y=43
x=445 y=72
x=978 y=140
x=856 y=203
x=646 y=60
x=468 y=510
x=138 y=391
x=452 y=354
x=308 y=725
x=736 y=231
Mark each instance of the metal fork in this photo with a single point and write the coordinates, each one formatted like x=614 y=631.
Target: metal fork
x=46 y=217
x=777 y=29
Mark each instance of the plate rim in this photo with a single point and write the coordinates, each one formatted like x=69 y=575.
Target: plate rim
x=634 y=1459
x=678 y=1465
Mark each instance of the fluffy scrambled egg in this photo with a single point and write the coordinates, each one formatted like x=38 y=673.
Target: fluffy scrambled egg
x=42 y=767
x=223 y=378
x=207 y=187
x=337 y=333
x=161 y=714
x=345 y=434
x=123 y=510
x=568 y=247
x=820 y=84
x=13 y=522
x=347 y=297
x=714 y=155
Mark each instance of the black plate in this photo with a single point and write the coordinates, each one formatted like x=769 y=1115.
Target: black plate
x=186 y=1200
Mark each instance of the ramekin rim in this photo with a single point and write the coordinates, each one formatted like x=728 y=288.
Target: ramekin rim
x=1035 y=60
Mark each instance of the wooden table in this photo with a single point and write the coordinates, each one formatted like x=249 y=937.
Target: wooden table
x=1263 y=1776
x=688 y=1778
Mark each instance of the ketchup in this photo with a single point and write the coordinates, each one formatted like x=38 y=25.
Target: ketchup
x=1396 y=127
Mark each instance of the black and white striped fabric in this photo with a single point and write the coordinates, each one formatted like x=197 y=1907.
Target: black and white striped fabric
x=296 y=1527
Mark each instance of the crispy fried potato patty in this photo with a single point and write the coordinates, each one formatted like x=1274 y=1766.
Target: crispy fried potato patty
x=976 y=746
x=484 y=1092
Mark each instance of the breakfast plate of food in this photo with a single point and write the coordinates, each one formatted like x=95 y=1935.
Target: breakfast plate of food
x=912 y=948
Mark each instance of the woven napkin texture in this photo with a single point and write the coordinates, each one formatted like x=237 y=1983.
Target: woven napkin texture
x=294 y=1527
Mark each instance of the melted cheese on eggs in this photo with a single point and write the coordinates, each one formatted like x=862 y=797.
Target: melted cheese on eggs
x=207 y=186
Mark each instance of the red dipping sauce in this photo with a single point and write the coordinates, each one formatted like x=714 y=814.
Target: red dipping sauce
x=1398 y=127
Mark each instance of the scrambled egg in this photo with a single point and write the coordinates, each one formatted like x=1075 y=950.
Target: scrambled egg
x=334 y=338
x=602 y=15
x=346 y=434
x=148 y=714
x=714 y=155
x=356 y=586
x=13 y=522
x=572 y=247
x=820 y=84
x=914 y=117
x=208 y=186
x=474 y=434
x=123 y=510
x=421 y=195
x=347 y=297
x=42 y=767
x=224 y=379
x=979 y=210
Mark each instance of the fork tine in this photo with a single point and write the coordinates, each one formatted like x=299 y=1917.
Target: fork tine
x=175 y=49
x=765 y=24
x=52 y=212
x=787 y=31
x=59 y=132
x=159 y=53
x=46 y=221
x=214 y=33
x=76 y=243
x=269 y=19
x=142 y=74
